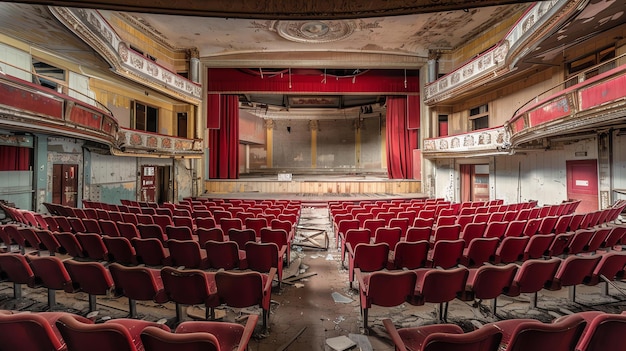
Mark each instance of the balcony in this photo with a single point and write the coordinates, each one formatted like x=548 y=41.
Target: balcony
x=94 y=30
x=133 y=142
x=476 y=143
x=597 y=101
x=26 y=106
x=499 y=62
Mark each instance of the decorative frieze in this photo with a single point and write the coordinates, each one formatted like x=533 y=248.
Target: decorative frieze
x=90 y=26
x=135 y=141
x=493 y=139
x=493 y=59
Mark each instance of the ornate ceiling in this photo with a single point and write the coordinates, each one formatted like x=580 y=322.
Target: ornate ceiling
x=277 y=9
x=402 y=41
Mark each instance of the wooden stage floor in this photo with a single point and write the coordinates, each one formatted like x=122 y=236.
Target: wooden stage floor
x=315 y=188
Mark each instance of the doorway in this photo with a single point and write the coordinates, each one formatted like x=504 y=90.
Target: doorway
x=182 y=124
x=156 y=184
x=474 y=182
x=65 y=184
x=163 y=188
x=148 y=183
x=582 y=184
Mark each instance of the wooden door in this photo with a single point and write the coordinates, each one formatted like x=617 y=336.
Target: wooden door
x=582 y=184
x=148 y=183
x=480 y=183
x=65 y=184
x=474 y=182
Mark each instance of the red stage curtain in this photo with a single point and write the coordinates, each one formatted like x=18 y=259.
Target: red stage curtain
x=213 y=111
x=224 y=142
x=230 y=80
x=14 y=158
x=413 y=112
x=400 y=140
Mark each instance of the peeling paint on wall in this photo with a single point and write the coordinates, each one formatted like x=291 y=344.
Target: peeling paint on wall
x=112 y=194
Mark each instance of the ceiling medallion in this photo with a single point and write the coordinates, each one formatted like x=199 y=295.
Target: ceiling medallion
x=315 y=31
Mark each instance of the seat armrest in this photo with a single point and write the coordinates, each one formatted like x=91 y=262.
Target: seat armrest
x=270 y=277
x=350 y=249
x=393 y=333
x=247 y=332
x=359 y=278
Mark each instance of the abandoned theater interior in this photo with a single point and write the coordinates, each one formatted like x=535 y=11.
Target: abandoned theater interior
x=329 y=175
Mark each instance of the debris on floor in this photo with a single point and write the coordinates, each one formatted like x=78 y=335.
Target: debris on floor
x=337 y=297
x=340 y=343
x=362 y=341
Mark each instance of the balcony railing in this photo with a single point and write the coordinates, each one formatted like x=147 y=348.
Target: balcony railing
x=596 y=100
x=496 y=58
x=92 y=28
x=30 y=106
x=483 y=141
x=137 y=141
x=27 y=106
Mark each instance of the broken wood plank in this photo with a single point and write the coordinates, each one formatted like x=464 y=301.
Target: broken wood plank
x=292 y=280
x=284 y=346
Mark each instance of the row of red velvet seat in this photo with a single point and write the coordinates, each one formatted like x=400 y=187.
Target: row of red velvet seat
x=180 y=228
x=290 y=213
x=423 y=229
x=176 y=210
x=419 y=220
x=62 y=331
x=397 y=229
x=445 y=208
x=434 y=210
x=500 y=230
x=377 y=256
x=428 y=217
x=140 y=283
x=454 y=209
x=582 y=331
x=433 y=285
x=244 y=251
x=187 y=251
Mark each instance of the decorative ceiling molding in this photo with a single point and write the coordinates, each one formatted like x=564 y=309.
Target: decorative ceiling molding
x=319 y=59
x=525 y=39
x=95 y=31
x=501 y=56
x=144 y=26
x=277 y=10
x=313 y=32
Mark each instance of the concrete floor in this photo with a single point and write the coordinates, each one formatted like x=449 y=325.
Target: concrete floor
x=304 y=314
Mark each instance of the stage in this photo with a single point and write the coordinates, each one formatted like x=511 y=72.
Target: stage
x=314 y=188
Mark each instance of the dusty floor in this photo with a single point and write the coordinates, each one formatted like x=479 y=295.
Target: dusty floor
x=304 y=313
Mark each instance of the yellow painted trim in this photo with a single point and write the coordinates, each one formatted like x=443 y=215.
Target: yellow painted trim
x=269 y=146
x=314 y=148
x=357 y=147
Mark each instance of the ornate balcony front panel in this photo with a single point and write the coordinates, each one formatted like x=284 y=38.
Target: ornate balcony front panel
x=594 y=103
x=92 y=28
x=495 y=62
x=29 y=107
x=133 y=142
x=476 y=143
